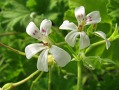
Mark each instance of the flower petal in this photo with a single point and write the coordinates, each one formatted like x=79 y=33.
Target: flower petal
x=42 y=63
x=107 y=44
x=32 y=49
x=93 y=17
x=80 y=13
x=71 y=38
x=68 y=25
x=84 y=40
x=33 y=31
x=103 y=35
x=61 y=56
x=45 y=27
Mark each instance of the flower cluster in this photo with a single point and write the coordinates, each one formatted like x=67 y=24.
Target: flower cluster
x=59 y=55
x=47 y=48
x=91 y=18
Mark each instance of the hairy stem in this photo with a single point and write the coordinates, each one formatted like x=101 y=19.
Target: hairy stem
x=14 y=50
x=9 y=86
x=98 y=43
x=26 y=79
x=79 y=76
x=50 y=78
x=8 y=33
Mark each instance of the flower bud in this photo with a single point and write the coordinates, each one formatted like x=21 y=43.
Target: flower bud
x=50 y=60
x=32 y=15
x=7 y=86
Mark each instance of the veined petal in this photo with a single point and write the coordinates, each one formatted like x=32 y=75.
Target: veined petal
x=84 y=40
x=103 y=35
x=80 y=13
x=45 y=27
x=42 y=63
x=107 y=44
x=32 y=49
x=68 y=25
x=71 y=38
x=93 y=17
x=60 y=55
x=33 y=31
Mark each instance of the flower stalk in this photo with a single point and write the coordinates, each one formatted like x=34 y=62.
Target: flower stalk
x=15 y=50
x=50 y=78
x=26 y=79
x=12 y=85
x=79 y=76
x=12 y=49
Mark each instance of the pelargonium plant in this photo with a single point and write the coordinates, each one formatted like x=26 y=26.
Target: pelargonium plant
x=46 y=47
x=91 y=18
x=49 y=51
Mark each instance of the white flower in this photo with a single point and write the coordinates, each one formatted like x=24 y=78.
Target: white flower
x=46 y=48
x=103 y=35
x=91 y=18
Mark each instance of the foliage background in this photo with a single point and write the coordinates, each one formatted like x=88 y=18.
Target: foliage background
x=15 y=16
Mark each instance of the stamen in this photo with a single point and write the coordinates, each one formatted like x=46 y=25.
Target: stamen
x=80 y=28
x=46 y=44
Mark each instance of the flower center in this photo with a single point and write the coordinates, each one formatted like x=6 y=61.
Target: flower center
x=81 y=22
x=80 y=28
x=81 y=25
x=45 y=44
x=48 y=43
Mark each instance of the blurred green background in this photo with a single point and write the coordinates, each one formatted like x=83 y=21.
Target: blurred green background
x=15 y=16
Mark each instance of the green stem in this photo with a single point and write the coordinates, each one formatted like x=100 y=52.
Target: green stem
x=9 y=86
x=50 y=78
x=93 y=45
x=14 y=50
x=79 y=76
x=8 y=33
x=36 y=80
x=26 y=79
x=98 y=43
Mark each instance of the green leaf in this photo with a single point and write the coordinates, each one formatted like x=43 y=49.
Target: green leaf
x=113 y=9
x=69 y=15
x=14 y=15
x=115 y=34
x=38 y=5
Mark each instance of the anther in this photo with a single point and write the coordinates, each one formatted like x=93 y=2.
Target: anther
x=46 y=44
